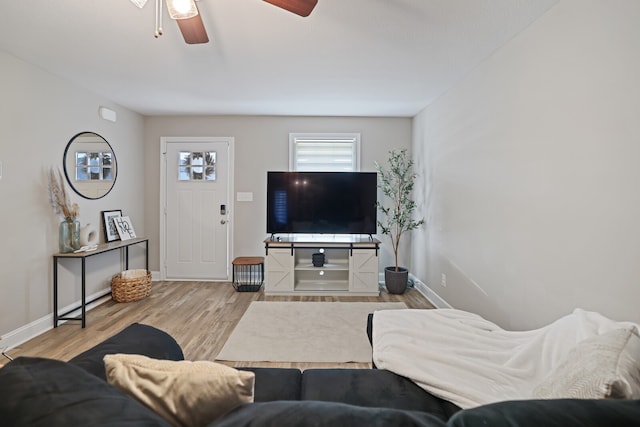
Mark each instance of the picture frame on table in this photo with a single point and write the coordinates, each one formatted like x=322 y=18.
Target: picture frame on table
x=110 y=229
x=125 y=227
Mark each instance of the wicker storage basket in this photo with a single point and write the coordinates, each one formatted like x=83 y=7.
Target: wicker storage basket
x=130 y=289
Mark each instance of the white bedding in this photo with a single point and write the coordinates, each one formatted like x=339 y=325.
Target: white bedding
x=465 y=359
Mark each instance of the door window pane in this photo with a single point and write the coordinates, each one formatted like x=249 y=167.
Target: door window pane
x=197 y=166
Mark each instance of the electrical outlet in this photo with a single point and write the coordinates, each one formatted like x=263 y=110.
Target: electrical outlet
x=443 y=280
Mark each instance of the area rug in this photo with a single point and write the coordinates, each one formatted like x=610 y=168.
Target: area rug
x=272 y=331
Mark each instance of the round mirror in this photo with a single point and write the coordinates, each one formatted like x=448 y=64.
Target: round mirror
x=90 y=165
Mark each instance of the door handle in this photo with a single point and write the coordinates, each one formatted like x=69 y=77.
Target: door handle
x=222 y=221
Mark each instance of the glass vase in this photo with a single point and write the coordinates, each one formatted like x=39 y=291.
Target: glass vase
x=69 y=235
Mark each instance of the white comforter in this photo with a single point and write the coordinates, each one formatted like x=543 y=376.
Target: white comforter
x=465 y=359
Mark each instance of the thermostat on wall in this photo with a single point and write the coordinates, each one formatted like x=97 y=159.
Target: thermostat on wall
x=107 y=114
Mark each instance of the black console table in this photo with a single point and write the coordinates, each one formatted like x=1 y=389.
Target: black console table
x=82 y=256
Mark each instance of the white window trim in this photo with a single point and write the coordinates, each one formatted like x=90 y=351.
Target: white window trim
x=293 y=137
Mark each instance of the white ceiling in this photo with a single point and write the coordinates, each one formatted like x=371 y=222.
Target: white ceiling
x=348 y=58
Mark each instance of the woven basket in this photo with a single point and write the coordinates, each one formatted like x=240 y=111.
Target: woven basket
x=128 y=290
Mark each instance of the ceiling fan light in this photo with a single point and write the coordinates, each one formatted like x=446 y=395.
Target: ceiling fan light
x=182 y=9
x=139 y=3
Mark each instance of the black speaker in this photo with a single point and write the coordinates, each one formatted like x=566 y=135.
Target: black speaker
x=317 y=259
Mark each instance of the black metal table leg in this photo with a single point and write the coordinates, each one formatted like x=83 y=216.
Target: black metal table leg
x=84 y=293
x=55 y=292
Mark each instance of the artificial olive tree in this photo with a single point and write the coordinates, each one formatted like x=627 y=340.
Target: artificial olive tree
x=396 y=183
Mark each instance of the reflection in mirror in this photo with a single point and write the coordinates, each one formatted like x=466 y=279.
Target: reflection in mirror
x=90 y=165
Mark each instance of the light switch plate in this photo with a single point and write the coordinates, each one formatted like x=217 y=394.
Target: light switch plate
x=244 y=196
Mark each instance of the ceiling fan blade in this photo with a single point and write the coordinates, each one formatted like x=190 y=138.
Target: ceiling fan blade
x=299 y=7
x=193 y=30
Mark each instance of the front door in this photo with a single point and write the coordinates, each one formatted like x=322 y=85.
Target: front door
x=197 y=211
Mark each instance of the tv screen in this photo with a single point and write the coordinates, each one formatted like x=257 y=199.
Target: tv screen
x=321 y=202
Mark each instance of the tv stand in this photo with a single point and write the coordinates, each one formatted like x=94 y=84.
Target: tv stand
x=350 y=267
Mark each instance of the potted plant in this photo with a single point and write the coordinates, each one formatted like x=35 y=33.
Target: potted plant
x=396 y=184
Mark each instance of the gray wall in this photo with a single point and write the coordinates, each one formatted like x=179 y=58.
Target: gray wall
x=39 y=113
x=261 y=144
x=530 y=173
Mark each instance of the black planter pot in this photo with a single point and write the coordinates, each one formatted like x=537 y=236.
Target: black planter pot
x=396 y=281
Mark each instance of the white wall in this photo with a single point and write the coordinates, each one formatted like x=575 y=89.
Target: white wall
x=531 y=172
x=261 y=144
x=39 y=113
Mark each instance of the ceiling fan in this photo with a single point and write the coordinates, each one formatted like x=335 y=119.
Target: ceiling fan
x=186 y=14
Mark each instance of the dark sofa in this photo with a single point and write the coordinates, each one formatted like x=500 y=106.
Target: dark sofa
x=44 y=392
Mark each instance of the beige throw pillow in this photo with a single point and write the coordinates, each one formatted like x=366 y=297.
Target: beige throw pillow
x=184 y=393
x=602 y=367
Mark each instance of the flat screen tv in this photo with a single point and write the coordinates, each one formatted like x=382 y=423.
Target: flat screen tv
x=321 y=202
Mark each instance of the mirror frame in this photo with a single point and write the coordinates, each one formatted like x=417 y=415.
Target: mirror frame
x=69 y=176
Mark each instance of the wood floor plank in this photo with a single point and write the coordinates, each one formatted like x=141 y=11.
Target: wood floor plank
x=199 y=315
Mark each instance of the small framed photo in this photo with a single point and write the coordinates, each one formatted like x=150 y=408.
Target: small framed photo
x=110 y=230
x=125 y=228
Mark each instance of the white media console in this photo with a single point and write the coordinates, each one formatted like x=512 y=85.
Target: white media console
x=350 y=267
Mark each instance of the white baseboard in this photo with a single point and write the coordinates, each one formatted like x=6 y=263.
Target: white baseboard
x=429 y=293
x=44 y=324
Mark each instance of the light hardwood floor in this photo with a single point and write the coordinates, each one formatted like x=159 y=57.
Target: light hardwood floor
x=199 y=315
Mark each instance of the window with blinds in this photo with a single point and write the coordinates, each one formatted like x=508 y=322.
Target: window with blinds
x=323 y=152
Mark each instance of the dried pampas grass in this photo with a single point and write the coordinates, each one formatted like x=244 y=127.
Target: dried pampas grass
x=59 y=197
